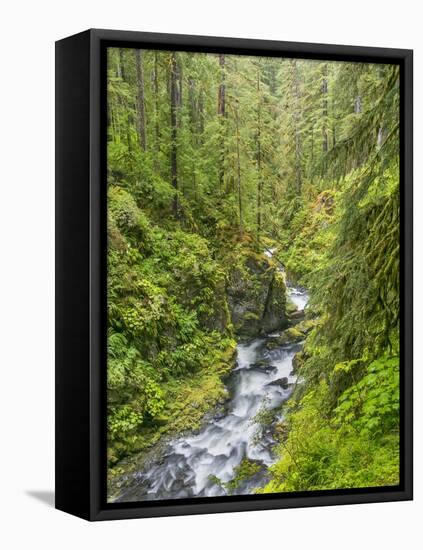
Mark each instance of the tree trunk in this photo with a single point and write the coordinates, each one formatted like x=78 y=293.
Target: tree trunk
x=221 y=112
x=112 y=122
x=333 y=117
x=238 y=164
x=221 y=98
x=120 y=72
x=124 y=102
x=312 y=145
x=156 y=101
x=259 y=176
x=192 y=104
x=141 y=99
x=298 y=175
x=174 y=131
x=325 y=108
x=201 y=115
x=180 y=80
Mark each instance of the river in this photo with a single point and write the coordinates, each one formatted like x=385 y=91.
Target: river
x=261 y=380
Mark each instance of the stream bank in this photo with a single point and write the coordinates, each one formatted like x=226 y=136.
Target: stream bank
x=231 y=452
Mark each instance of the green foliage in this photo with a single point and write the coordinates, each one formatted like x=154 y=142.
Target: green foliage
x=313 y=233
x=302 y=158
x=360 y=274
x=165 y=301
x=372 y=404
x=245 y=470
x=123 y=420
x=154 y=398
x=321 y=451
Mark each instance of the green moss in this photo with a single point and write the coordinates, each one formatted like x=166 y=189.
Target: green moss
x=256 y=292
x=246 y=469
x=290 y=307
x=357 y=445
x=288 y=336
x=298 y=361
x=306 y=325
x=186 y=400
x=182 y=280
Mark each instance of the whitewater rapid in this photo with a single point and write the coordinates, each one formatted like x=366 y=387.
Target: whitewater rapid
x=200 y=464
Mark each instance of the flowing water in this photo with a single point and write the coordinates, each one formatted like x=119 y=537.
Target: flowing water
x=191 y=465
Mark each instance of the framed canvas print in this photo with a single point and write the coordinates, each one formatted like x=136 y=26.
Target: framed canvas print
x=234 y=274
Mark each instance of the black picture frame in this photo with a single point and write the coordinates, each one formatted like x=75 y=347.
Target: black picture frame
x=81 y=274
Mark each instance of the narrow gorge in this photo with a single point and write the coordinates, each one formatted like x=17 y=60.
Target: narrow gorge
x=231 y=452
x=241 y=191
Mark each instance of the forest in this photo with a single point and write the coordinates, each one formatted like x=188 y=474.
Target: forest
x=253 y=274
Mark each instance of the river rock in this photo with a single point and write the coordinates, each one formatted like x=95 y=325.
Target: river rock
x=297 y=315
x=260 y=363
x=272 y=344
x=290 y=307
x=289 y=336
x=268 y=369
x=281 y=382
x=306 y=325
x=274 y=315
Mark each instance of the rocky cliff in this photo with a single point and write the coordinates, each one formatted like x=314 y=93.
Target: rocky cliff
x=256 y=294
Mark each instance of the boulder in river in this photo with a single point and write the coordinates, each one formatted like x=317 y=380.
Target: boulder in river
x=281 y=382
x=260 y=363
x=306 y=325
x=263 y=367
x=289 y=336
x=297 y=315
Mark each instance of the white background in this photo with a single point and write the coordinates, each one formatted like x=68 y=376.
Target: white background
x=28 y=32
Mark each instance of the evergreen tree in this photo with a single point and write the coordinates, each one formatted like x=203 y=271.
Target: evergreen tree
x=212 y=159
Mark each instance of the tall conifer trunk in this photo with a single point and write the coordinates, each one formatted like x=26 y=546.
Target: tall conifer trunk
x=238 y=166
x=259 y=175
x=325 y=108
x=221 y=112
x=156 y=102
x=296 y=85
x=141 y=99
x=174 y=130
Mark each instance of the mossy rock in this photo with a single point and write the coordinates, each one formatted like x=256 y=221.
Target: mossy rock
x=290 y=307
x=161 y=420
x=275 y=315
x=246 y=469
x=188 y=400
x=247 y=326
x=272 y=344
x=289 y=336
x=256 y=294
x=306 y=325
x=260 y=363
